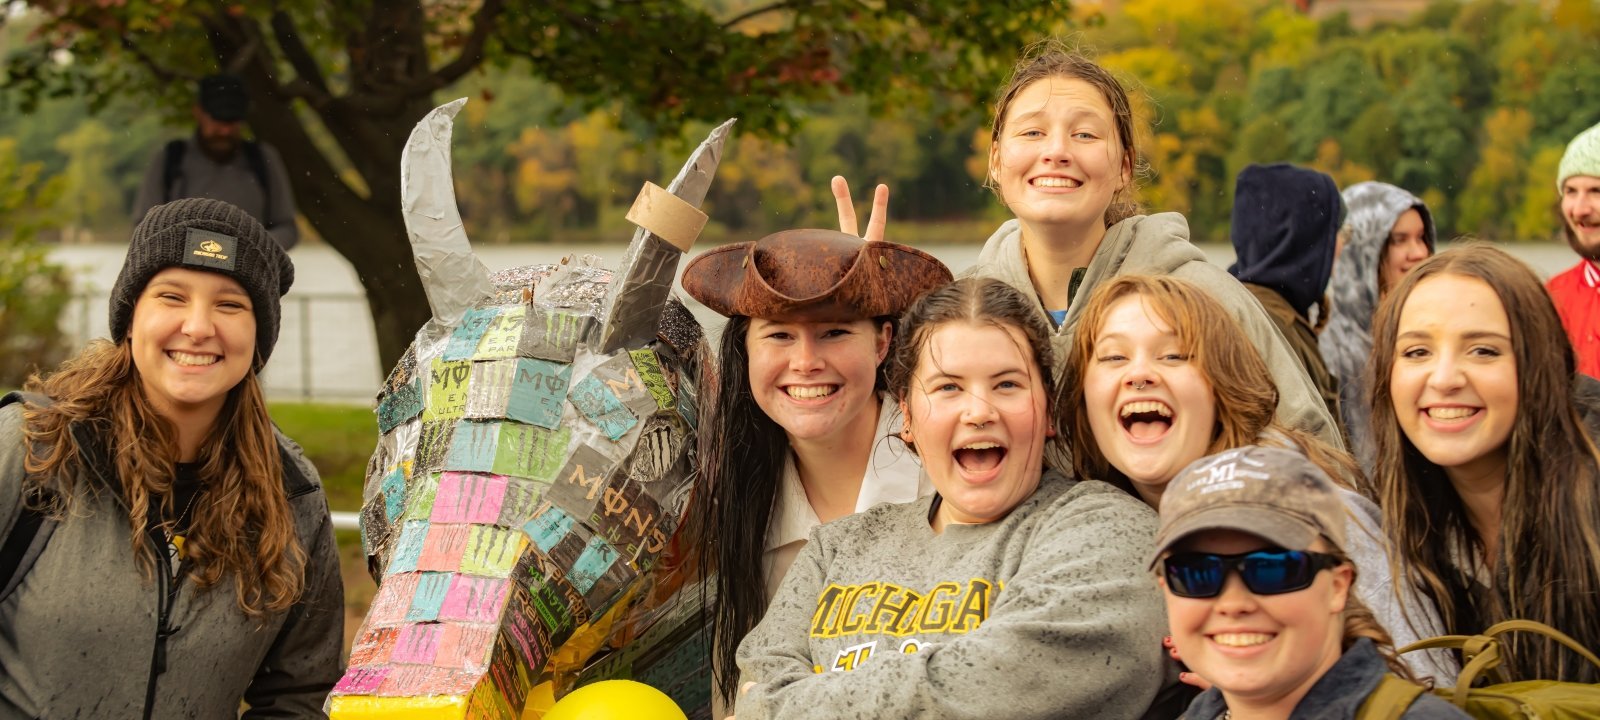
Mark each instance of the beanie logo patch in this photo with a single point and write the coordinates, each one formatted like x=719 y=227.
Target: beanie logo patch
x=210 y=249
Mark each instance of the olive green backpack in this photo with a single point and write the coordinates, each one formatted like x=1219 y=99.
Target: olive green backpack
x=1499 y=699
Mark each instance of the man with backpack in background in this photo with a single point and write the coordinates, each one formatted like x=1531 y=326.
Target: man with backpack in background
x=218 y=163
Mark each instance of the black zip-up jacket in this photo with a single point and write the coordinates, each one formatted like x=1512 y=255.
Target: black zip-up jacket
x=86 y=635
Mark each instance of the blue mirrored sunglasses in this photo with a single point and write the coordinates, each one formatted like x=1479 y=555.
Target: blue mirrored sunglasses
x=1264 y=572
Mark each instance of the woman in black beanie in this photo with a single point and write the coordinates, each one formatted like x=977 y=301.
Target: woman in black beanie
x=167 y=553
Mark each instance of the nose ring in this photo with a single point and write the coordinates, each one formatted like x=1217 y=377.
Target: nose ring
x=1138 y=385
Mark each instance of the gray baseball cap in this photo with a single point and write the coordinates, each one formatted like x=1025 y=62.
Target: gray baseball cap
x=1275 y=494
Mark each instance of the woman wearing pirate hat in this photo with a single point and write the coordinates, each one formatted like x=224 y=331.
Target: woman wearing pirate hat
x=797 y=430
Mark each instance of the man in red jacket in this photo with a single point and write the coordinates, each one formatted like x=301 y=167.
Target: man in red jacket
x=1577 y=291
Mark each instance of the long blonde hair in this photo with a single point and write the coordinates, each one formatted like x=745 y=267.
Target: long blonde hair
x=242 y=525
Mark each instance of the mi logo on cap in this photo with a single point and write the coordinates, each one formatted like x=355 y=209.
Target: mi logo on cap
x=209 y=249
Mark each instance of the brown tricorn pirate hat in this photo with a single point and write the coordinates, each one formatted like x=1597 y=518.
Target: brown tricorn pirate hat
x=812 y=275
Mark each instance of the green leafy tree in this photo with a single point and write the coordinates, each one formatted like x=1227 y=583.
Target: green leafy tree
x=33 y=290
x=337 y=87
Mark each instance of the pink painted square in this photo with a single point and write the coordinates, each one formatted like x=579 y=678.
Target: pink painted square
x=362 y=680
x=469 y=498
x=389 y=606
x=418 y=643
x=443 y=548
x=474 y=599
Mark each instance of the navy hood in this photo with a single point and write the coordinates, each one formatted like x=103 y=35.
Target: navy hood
x=1285 y=228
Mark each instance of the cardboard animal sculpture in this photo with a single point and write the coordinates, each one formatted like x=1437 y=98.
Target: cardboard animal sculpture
x=534 y=455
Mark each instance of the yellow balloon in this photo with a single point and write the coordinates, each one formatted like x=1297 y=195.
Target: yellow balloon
x=615 y=700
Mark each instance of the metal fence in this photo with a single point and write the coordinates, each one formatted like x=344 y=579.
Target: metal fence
x=326 y=349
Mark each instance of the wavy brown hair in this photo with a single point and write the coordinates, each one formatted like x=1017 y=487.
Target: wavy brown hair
x=242 y=528
x=1053 y=58
x=1550 y=512
x=1241 y=384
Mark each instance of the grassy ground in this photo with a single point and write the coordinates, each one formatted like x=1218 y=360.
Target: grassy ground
x=338 y=439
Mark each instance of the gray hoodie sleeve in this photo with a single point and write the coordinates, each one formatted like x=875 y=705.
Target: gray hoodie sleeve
x=1075 y=633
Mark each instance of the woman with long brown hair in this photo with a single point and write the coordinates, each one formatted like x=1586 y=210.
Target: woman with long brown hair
x=1489 y=484
x=171 y=553
x=1161 y=375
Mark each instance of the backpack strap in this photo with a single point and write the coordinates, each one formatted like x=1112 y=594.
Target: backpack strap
x=1390 y=699
x=26 y=541
x=172 y=168
x=258 y=167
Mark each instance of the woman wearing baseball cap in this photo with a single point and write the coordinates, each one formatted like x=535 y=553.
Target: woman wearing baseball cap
x=167 y=552
x=798 y=430
x=1259 y=602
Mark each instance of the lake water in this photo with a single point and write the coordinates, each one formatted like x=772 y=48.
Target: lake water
x=326 y=349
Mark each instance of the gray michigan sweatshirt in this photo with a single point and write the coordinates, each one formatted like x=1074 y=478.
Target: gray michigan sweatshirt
x=1046 y=613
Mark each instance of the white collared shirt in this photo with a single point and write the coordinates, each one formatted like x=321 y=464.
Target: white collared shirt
x=894 y=475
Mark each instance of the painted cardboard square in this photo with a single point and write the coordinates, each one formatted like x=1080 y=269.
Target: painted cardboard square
x=577 y=487
x=648 y=364
x=419 y=501
x=492 y=551
x=547 y=607
x=408 y=548
x=555 y=335
x=393 y=600
x=447 y=389
x=375 y=528
x=508 y=674
x=362 y=680
x=373 y=646
x=661 y=444
x=601 y=406
x=597 y=557
x=472 y=448
x=443 y=548
x=469 y=498
x=490 y=389
x=529 y=451
x=433 y=445
x=399 y=406
x=431 y=589
x=537 y=392
x=425 y=680
x=523 y=497
x=527 y=631
x=608 y=587
x=394 y=494
x=548 y=528
x=504 y=334
x=418 y=643
x=469 y=333
x=474 y=599
x=464 y=646
x=547 y=581
x=622 y=378
x=627 y=517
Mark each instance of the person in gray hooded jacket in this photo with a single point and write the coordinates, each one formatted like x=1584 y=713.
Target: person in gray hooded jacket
x=1387 y=232
x=179 y=554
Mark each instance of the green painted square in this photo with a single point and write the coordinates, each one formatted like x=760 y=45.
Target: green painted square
x=492 y=551
x=419 y=499
x=531 y=452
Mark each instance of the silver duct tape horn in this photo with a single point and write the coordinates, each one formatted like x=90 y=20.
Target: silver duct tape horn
x=534 y=451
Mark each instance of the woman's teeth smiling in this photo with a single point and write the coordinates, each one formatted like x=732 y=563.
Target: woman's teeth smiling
x=1146 y=419
x=183 y=358
x=1059 y=182
x=1241 y=639
x=980 y=456
x=810 y=392
x=1451 y=413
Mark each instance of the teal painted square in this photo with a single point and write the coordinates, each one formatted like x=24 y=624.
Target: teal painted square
x=596 y=559
x=431 y=589
x=537 y=392
x=394 y=493
x=399 y=406
x=547 y=530
x=601 y=406
x=473 y=447
x=464 y=341
x=409 y=547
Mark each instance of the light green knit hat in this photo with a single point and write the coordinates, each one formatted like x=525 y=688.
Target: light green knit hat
x=1582 y=157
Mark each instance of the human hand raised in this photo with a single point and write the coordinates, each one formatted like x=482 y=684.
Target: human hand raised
x=847 y=210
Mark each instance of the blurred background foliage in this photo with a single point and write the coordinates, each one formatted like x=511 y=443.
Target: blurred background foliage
x=1466 y=103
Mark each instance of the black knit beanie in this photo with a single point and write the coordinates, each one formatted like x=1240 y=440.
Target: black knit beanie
x=203 y=234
